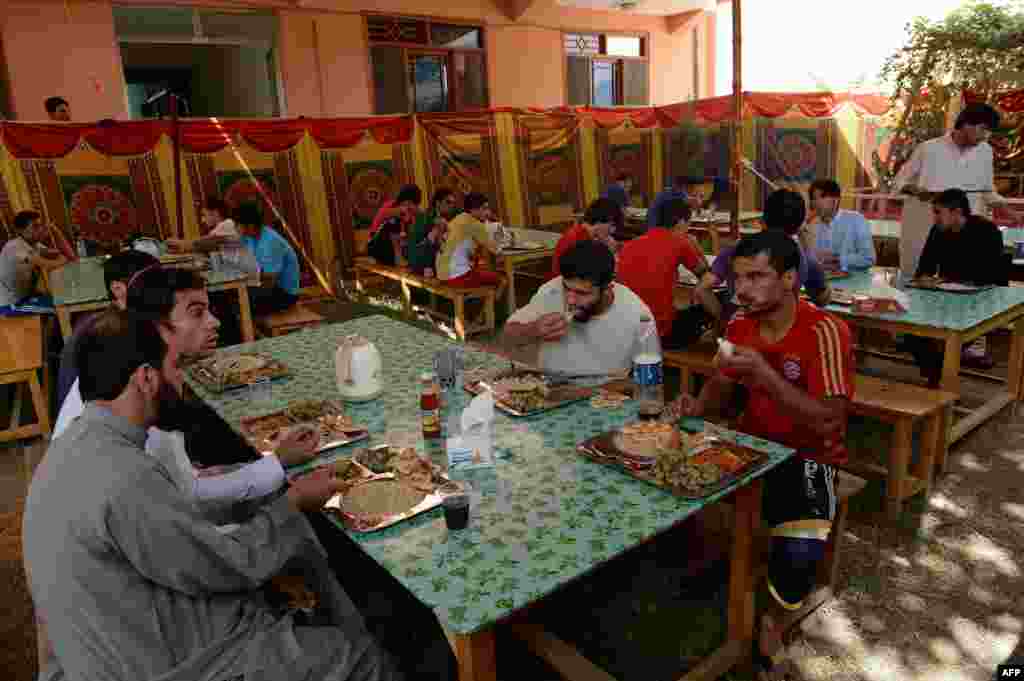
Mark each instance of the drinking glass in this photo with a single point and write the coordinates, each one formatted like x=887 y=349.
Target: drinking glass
x=260 y=392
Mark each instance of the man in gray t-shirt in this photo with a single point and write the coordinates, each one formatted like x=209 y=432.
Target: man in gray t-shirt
x=23 y=255
x=581 y=323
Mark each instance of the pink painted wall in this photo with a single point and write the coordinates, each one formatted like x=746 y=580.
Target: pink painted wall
x=48 y=54
x=525 y=58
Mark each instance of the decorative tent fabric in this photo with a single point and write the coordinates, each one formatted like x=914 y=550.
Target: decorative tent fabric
x=325 y=178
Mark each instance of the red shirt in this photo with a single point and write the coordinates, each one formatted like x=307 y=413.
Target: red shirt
x=648 y=266
x=380 y=217
x=817 y=357
x=576 y=233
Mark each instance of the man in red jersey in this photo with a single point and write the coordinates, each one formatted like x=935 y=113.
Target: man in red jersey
x=648 y=266
x=599 y=223
x=796 y=363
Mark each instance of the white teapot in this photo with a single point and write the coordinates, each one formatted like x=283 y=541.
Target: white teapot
x=359 y=370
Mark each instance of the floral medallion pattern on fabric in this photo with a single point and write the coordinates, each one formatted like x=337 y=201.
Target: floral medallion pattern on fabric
x=103 y=211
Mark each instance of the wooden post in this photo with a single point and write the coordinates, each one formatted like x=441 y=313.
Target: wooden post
x=737 y=132
x=176 y=126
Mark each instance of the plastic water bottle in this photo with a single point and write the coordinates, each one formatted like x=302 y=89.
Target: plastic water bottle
x=647 y=372
x=81 y=249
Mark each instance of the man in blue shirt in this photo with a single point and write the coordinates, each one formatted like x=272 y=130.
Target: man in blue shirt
x=676 y=191
x=618 y=191
x=843 y=239
x=279 y=266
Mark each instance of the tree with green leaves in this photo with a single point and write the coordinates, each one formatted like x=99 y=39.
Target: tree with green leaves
x=978 y=48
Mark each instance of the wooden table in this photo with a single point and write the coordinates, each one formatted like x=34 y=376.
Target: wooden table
x=511 y=259
x=955 y=320
x=542 y=518
x=79 y=287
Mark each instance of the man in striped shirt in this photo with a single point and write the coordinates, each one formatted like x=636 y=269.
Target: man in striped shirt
x=796 y=363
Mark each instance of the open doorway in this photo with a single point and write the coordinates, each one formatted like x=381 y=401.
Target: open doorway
x=218 y=63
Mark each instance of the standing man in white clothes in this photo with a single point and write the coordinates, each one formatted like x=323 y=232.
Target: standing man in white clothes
x=961 y=159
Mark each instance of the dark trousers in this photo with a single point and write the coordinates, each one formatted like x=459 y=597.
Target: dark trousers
x=267 y=299
x=928 y=355
x=211 y=442
x=402 y=625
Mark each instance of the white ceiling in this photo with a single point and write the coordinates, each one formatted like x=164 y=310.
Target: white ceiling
x=659 y=7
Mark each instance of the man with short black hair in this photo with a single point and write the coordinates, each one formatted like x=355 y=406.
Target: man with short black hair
x=427 y=235
x=649 y=266
x=961 y=159
x=118 y=269
x=582 y=322
x=278 y=263
x=784 y=211
x=23 y=256
x=389 y=226
x=602 y=218
x=842 y=238
x=58 y=109
x=676 y=191
x=134 y=582
x=796 y=363
x=222 y=229
x=467 y=234
x=618 y=191
x=961 y=248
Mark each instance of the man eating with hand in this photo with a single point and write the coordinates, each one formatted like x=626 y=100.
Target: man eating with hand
x=796 y=363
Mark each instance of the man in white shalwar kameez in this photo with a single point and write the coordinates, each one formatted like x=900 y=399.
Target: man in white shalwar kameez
x=961 y=159
x=134 y=582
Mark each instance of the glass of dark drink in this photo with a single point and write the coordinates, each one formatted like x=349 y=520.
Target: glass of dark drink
x=456 y=511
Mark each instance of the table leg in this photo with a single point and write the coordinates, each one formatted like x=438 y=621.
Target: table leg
x=1015 y=373
x=747 y=519
x=951 y=364
x=510 y=291
x=475 y=653
x=64 y=317
x=899 y=460
x=245 y=315
x=933 y=443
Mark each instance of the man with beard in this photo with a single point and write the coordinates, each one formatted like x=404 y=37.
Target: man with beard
x=960 y=159
x=177 y=301
x=796 y=363
x=427 y=235
x=581 y=323
x=134 y=582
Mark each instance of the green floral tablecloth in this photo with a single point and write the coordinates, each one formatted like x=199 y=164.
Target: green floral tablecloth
x=934 y=309
x=542 y=517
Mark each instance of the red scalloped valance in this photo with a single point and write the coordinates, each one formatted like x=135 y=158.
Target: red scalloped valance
x=207 y=135
x=1011 y=101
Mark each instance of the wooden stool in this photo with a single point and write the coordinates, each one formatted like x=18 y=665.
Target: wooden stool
x=296 y=317
x=21 y=355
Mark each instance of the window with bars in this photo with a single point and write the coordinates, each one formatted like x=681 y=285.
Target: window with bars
x=423 y=66
x=606 y=69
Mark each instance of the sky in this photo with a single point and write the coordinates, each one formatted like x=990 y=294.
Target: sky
x=792 y=45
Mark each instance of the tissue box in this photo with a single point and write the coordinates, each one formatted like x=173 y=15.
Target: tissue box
x=868 y=305
x=470 y=451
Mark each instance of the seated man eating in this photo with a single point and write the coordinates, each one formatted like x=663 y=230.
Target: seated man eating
x=134 y=582
x=467 y=234
x=796 y=363
x=961 y=248
x=602 y=218
x=278 y=263
x=784 y=211
x=648 y=266
x=581 y=323
x=176 y=300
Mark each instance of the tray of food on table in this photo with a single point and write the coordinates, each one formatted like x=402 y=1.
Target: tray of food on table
x=385 y=485
x=930 y=284
x=691 y=466
x=222 y=372
x=840 y=297
x=523 y=392
x=328 y=416
x=836 y=274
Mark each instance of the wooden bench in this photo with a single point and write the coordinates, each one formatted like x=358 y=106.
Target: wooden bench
x=458 y=296
x=900 y=404
x=296 y=317
x=22 y=354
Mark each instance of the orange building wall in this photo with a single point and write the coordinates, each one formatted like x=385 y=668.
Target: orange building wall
x=46 y=54
x=323 y=55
